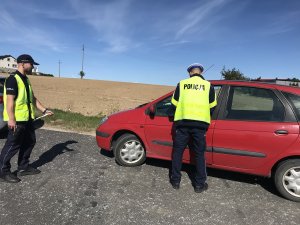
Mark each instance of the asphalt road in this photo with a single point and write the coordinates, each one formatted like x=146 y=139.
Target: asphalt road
x=81 y=185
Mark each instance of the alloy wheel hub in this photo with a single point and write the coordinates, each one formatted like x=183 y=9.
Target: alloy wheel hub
x=291 y=181
x=132 y=151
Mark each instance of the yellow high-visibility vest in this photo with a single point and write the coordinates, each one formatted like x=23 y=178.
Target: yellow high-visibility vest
x=20 y=105
x=193 y=102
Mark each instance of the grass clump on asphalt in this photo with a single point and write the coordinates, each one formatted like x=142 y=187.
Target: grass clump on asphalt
x=72 y=120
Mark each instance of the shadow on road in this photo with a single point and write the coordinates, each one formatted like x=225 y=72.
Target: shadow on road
x=49 y=155
x=109 y=154
x=264 y=182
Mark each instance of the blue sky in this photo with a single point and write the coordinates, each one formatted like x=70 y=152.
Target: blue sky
x=154 y=41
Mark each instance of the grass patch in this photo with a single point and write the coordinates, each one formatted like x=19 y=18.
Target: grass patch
x=72 y=121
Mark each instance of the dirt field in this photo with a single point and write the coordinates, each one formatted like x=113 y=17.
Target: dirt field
x=92 y=97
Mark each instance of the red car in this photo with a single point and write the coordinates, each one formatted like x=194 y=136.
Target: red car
x=254 y=130
x=3 y=124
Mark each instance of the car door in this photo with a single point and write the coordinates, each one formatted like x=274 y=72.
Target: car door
x=159 y=132
x=254 y=125
x=2 y=123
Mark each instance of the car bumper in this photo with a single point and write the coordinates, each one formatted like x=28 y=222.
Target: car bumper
x=103 y=140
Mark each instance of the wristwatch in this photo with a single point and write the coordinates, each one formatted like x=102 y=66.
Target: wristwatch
x=45 y=111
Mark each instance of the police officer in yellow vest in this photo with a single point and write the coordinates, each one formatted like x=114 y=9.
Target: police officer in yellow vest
x=19 y=102
x=194 y=99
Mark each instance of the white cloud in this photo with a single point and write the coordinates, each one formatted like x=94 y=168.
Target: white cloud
x=175 y=43
x=120 y=25
x=108 y=20
x=282 y=24
x=192 y=22
x=13 y=30
x=199 y=17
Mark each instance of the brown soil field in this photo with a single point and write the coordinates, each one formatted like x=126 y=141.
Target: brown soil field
x=93 y=97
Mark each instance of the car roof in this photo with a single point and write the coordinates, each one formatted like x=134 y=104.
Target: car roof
x=285 y=88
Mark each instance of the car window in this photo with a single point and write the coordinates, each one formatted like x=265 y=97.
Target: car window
x=295 y=101
x=163 y=107
x=217 y=90
x=1 y=85
x=2 y=81
x=250 y=103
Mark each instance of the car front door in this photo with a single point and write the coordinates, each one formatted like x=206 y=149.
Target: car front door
x=254 y=126
x=159 y=132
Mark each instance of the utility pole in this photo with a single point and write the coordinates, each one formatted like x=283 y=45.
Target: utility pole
x=82 y=58
x=59 y=62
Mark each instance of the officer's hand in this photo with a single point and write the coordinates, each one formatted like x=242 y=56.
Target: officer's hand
x=48 y=112
x=12 y=125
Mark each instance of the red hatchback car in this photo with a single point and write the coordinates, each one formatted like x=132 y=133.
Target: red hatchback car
x=254 y=130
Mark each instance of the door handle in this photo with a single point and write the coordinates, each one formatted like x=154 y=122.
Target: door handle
x=281 y=132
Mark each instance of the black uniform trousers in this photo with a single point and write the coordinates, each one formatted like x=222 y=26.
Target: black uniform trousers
x=183 y=136
x=21 y=140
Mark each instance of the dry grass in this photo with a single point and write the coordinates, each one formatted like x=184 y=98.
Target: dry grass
x=93 y=97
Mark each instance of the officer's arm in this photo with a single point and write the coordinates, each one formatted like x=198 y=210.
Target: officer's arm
x=11 y=88
x=174 y=101
x=212 y=99
x=40 y=107
x=175 y=96
x=10 y=106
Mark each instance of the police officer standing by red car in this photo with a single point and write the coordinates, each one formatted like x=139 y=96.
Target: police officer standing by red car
x=194 y=99
x=19 y=102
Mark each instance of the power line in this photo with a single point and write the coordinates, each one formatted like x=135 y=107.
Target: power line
x=208 y=68
x=82 y=58
x=59 y=62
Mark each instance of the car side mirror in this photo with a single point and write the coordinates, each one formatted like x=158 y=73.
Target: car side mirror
x=152 y=110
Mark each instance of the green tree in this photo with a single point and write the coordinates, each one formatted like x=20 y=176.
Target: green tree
x=233 y=74
x=81 y=74
x=295 y=79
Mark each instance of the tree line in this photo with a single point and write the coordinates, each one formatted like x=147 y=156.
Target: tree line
x=235 y=74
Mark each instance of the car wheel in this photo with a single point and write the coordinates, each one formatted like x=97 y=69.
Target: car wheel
x=287 y=179
x=129 y=151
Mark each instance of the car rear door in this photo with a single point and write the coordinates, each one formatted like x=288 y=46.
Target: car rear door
x=254 y=126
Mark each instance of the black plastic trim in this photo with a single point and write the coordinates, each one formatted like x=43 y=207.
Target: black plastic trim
x=170 y=144
x=239 y=152
x=102 y=134
x=164 y=143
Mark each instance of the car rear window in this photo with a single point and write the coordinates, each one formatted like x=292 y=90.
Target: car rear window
x=295 y=101
x=251 y=103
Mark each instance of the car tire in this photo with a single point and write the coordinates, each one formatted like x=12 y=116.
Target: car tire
x=287 y=179
x=129 y=151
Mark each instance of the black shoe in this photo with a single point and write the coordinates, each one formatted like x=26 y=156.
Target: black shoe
x=199 y=189
x=175 y=185
x=28 y=171
x=9 y=178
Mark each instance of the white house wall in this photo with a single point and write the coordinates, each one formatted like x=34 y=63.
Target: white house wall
x=8 y=63
x=288 y=83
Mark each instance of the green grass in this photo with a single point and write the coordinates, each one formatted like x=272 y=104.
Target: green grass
x=72 y=121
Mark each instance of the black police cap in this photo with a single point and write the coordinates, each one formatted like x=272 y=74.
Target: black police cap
x=26 y=59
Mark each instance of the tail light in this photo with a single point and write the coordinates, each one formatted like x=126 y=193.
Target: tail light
x=1 y=99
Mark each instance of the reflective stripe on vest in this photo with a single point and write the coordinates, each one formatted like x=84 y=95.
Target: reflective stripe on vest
x=20 y=104
x=193 y=102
